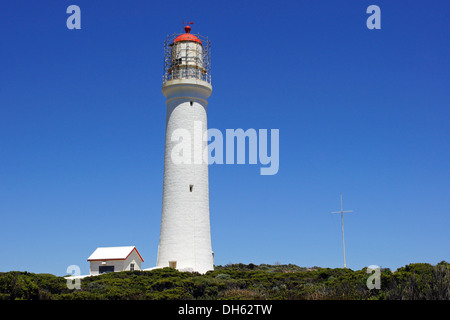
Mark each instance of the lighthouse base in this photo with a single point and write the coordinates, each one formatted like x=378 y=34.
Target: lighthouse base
x=179 y=269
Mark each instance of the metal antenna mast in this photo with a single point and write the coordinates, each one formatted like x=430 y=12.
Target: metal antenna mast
x=342 y=221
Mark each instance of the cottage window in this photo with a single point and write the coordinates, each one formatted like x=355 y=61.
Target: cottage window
x=105 y=269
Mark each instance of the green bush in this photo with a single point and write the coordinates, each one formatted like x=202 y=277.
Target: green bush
x=237 y=281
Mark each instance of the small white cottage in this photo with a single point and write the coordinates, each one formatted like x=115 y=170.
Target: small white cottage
x=114 y=259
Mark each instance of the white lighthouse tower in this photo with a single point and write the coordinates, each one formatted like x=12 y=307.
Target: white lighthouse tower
x=185 y=238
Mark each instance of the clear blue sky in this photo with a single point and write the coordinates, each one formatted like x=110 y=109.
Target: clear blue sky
x=362 y=112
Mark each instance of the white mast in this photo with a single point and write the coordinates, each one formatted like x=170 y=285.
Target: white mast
x=342 y=221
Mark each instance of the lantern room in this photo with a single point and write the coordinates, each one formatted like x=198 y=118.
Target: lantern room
x=187 y=56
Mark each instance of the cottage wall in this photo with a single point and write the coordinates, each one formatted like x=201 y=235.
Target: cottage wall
x=132 y=258
x=118 y=265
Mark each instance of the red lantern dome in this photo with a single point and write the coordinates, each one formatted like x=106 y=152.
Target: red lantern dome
x=187 y=36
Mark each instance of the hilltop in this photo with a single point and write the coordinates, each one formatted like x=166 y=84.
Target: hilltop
x=237 y=282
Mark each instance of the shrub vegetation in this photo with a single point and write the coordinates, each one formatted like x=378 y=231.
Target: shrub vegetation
x=416 y=281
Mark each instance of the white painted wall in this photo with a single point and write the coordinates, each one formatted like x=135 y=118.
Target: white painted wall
x=185 y=224
x=94 y=266
x=132 y=258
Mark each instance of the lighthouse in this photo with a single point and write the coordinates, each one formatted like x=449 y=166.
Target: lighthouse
x=185 y=237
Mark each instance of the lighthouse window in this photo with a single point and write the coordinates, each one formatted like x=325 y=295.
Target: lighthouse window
x=191 y=187
x=192 y=103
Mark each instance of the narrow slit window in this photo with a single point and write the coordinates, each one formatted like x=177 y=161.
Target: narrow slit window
x=191 y=187
x=192 y=103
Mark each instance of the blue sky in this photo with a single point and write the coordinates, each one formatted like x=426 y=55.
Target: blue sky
x=362 y=112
